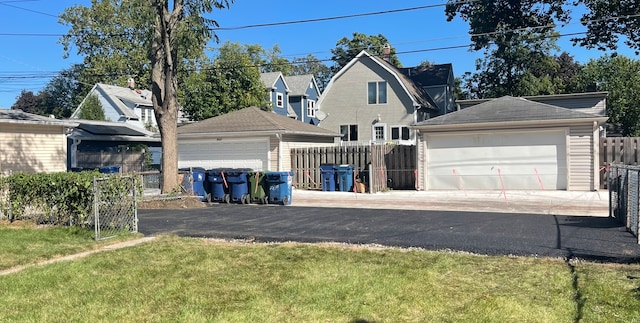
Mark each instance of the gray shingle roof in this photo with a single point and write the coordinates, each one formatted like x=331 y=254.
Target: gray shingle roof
x=298 y=84
x=269 y=79
x=437 y=74
x=19 y=116
x=120 y=95
x=507 y=109
x=253 y=119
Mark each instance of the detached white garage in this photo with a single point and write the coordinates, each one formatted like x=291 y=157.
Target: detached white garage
x=247 y=138
x=510 y=143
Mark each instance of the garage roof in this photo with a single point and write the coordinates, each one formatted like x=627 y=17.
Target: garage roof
x=111 y=131
x=19 y=116
x=509 y=109
x=253 y=119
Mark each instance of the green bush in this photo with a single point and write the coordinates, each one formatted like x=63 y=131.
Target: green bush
x=56 y=198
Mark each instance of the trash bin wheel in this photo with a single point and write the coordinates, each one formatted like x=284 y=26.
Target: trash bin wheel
x=226 y=198
x=209 y=198
x=245 y=199
x=265 y=200
x=285 y=200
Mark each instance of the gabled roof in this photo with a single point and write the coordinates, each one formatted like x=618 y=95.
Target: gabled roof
x=509 y=109
x=436 y=74
x=119 y=97
x=419 y=97
x=253 y=119
x=298 y=84
x=269 y=79
x=21 y=117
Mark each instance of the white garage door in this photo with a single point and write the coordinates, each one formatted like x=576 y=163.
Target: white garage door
x=252 y=154
x=517 y=160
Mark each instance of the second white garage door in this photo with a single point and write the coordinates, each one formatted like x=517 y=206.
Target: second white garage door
x=252 y=153
x=532 y=160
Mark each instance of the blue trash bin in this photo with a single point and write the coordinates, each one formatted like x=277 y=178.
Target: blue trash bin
x=111 y=169
x=238 y=185
x=345 y=178
x=280 y=187
x=218 y=185
x=193 y=181
x=328 y=177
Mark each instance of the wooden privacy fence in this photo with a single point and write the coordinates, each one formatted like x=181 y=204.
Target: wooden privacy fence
x=379 y=167
x=130 y=161
x=617 y=150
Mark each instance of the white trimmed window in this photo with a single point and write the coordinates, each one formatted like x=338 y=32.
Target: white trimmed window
x=377 y=92
x=279 y=100
x=349 y=132
x=311 y=108
x=379 y=133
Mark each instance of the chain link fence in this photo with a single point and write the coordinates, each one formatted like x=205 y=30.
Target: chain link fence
x=115 y=208
x=624 y=196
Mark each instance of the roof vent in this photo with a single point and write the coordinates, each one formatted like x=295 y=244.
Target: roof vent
x=131 y=83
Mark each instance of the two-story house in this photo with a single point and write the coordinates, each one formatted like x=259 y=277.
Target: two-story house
x=129 y=104
x=303 y=97
x=370 y=100
x=278 y=93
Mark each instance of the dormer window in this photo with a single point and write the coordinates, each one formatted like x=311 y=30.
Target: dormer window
x=279 y=100
x=377 y=92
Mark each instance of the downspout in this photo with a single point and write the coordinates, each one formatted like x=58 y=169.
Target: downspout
x=279 y=136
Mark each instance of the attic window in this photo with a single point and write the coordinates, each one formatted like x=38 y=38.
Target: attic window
x=279 y=100
x=377 y=92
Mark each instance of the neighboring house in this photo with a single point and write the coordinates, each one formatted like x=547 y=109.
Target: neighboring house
x=31 y=143
x=129 y=105
x=106 y=139
x=510 y=144
x=247 y=138
x=278 y=93
x=370 y=100
x=437 y=81
x=303 y=97
x=588 y=102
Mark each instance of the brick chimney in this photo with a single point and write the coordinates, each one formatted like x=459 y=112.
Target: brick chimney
x=386 y=52
x=131 y=84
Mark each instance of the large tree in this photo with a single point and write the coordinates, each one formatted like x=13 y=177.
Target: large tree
x=312 y=65
x=347 y=49
x=608 y=21
x=146 y=39
x=229 y=82
x=517 y=38
x=29 y=102
x=620 y=76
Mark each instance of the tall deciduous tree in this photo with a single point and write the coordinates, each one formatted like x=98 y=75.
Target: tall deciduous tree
x=620 y=76
x=146 y=39
x=312 y=65
x=29 y=102
x=347 y=49
x=229 y=82
x=607 y=20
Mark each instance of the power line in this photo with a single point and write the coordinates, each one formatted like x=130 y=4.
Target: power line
x=6 y=3
x=303 y=21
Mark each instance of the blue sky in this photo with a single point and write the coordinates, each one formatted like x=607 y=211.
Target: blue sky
x=30 y=54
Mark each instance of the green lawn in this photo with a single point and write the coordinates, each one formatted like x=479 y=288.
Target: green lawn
x=192 y=280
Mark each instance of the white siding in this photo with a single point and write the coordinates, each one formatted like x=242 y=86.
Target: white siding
x=581 y=158
x=32 y=149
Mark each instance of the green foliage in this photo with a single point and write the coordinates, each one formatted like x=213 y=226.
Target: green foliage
x=620 y=76
x=347 y=49
x=58 y=198
x=91 y=109
x=29 y=102
x=230 y=82
x=312 y=65
x=609 y=22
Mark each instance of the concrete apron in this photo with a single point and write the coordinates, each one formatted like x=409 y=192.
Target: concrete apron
x=577 y=203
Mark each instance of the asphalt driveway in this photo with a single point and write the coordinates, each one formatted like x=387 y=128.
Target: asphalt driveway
x=593 y=238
